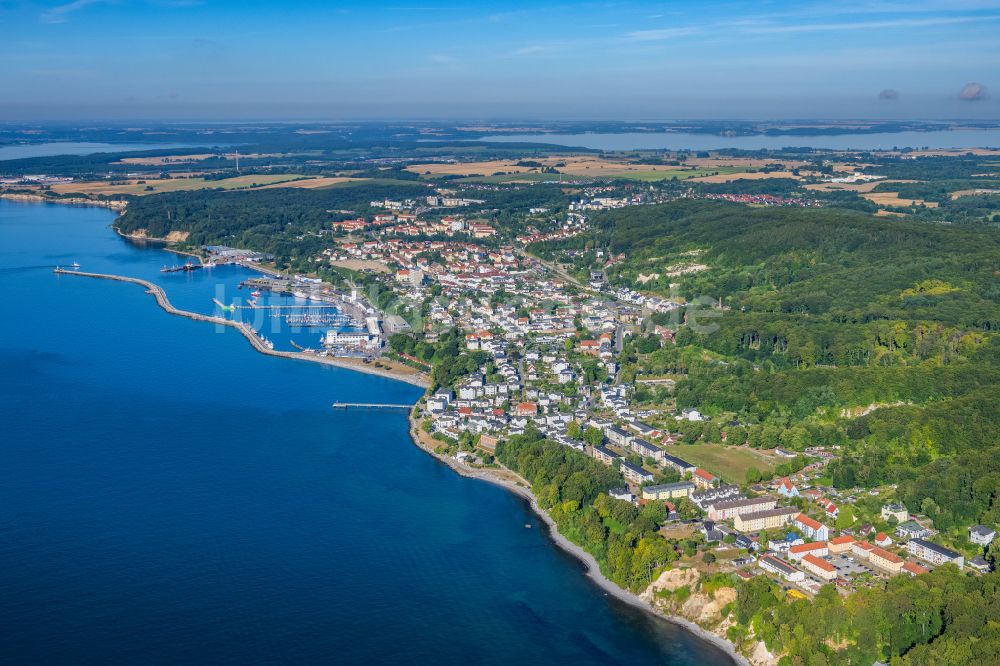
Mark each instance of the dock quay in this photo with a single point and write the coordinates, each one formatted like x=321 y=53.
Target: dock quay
x=331 y=306
x=369 y=405
x=246 y=330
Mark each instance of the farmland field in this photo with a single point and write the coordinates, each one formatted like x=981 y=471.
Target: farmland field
x=588 y=166
x=893 y=200
x=141 y=187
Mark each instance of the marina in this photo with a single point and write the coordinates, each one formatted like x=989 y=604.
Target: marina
x=311 y=320
x=184 y=268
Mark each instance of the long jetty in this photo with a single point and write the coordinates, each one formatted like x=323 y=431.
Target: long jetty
x=245 y=329
x=369 y=405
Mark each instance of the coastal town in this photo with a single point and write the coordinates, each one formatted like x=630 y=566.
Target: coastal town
x=546 y=350
x=546 y=354
x=645 y=333
x=621 y=353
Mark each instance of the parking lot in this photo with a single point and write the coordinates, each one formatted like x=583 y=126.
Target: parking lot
x=848 y=567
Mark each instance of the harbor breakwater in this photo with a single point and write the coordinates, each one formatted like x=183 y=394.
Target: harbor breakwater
x=247 y=331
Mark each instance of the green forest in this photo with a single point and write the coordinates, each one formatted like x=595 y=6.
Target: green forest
x=572 y=488
x=941 y=617
x=837 y=328
x=944 y=617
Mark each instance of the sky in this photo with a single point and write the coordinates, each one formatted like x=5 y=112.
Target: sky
x=235 y=60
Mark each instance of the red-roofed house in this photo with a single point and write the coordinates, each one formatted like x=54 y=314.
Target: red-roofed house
x=913 y=568
x=841 y=544
x=817 y=548
x=526 y=409
x=828 y=507
x=818 y=567
x=787 y=489
x=882 y=540
x=862 y=550
x=883 y=559
x=702 y=479
x=811 y=528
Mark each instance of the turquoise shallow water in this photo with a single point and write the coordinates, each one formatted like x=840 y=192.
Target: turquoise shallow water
x=168 y=495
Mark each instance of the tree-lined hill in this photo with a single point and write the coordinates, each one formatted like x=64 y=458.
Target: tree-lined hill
x=830 y=314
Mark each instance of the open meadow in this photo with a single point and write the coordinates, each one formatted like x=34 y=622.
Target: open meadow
x=729 y=462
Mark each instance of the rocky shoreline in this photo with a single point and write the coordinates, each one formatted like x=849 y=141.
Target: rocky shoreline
x=519 y=486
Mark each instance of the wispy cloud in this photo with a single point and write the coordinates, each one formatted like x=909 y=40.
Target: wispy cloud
x=534 y=49
x=661 y=34
x=61 y=13
x=761 y=26
x=889 y=24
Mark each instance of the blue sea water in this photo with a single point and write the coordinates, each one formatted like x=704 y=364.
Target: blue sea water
x=168 y=495
x=19 y=151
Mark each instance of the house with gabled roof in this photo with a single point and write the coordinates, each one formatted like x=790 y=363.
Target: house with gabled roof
x=811 y=528
x=787 y=489
x=703 y=479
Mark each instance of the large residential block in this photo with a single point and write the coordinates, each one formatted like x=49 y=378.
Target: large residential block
x=934 y=553
x=765 y=520
x=668 y=491
x=727 y=509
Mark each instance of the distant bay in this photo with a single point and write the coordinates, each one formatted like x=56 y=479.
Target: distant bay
x=971 y=138
x=27 y=150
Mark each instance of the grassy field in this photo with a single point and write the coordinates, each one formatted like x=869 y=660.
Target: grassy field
x=892 y=199
x=519 y=178
x=679 y=173
x=725 y=176
x=587 y=166
x=727 y=173
x=728 y=462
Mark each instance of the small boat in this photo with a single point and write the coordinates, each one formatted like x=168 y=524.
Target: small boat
x=74 y=265
x=255 y=294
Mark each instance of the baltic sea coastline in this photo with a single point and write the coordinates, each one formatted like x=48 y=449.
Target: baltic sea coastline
x=512 y=483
